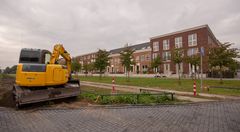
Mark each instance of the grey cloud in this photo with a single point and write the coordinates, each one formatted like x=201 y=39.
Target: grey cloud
x=85 y=25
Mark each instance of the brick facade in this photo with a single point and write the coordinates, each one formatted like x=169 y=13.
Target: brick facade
x=142 y=57
x=204 y=38
x=190 y=41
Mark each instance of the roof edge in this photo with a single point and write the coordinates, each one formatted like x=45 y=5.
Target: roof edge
x=181 y=31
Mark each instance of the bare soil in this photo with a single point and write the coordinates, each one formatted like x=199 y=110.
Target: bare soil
x=6 y=98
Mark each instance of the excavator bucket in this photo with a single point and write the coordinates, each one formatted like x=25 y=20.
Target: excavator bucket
x=25 y=95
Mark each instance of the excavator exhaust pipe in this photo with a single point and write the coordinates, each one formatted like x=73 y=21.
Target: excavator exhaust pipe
x=25 y=95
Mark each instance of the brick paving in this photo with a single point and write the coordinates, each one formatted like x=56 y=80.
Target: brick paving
x=200 y=117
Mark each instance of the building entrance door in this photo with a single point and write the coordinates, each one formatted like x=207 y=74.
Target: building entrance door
x=166 y=68
x=137 y=69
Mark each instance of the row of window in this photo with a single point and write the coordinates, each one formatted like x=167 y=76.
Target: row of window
x=192 y=41
x=143 y=57
x=166 y=55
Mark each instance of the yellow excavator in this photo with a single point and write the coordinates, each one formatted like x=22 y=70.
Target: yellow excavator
x=40 y=77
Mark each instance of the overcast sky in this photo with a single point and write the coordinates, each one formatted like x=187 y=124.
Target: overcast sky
x=85 y=25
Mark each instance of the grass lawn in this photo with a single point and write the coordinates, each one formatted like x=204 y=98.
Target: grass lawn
x=166 y=83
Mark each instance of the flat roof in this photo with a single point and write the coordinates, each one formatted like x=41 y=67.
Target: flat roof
x=181 y=31
x=133 y=47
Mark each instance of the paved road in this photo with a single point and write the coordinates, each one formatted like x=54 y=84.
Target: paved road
x=212 y=116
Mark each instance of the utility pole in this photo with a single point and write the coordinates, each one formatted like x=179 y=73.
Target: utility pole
x=202 y=54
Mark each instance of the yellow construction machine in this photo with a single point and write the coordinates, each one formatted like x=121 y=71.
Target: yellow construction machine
x=40 y=77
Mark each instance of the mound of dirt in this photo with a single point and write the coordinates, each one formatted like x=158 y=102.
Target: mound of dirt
x=6 y=99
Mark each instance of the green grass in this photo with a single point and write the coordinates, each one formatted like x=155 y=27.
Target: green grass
x=7 y=75
x=94 y=95
x=172 y=84
x=98 y=90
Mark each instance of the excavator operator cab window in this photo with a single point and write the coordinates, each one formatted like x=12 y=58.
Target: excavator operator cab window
x=47 y=58
x=29 y=56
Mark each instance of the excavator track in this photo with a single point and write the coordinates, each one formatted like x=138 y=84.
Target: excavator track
x=28 y=95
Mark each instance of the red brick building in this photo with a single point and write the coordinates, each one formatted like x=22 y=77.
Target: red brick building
x=190 y=41
x=142 y=57
x=86 y=58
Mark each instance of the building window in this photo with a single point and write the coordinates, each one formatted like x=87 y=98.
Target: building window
x=166 y=56
x=192 y=51
x=148 y=57
x=142 y=57
x=192 y=39
x=155 y=46
x=154 y=55
x=178 y=42
x=166 y=44
x=137 y=58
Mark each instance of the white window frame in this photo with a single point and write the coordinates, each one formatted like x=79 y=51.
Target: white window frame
x=178 y=42
x=156 y=46
x=192 y=51
x=137 y=58
x=192 y=39
x=142 y=58
x=154 y=55
x=166 y=44
x=166 y=56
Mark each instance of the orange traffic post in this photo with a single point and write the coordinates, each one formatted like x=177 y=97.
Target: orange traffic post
x=194 y=88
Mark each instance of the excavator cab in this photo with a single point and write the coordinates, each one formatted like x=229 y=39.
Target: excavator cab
x=39 y=77
x=35 y=56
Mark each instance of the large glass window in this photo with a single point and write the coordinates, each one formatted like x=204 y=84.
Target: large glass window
x=192 y=51
x=166 y=44
x=192 y=39
x=137 y=58
x=142 y=57
x=166 y=56
x=178 y=42
x=154 y=55
x=156 y=46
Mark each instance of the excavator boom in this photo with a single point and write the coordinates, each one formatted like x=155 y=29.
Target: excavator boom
x=57 y=51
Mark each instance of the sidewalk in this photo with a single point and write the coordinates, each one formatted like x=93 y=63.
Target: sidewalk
x=179 y=94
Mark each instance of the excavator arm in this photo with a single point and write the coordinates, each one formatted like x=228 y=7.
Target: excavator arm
x=57 y=51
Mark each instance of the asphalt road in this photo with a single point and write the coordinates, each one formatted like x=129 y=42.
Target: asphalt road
x=201 y=117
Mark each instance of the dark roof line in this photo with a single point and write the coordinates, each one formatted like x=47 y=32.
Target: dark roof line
x=133 y=47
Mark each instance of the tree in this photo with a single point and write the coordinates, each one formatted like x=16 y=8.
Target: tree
x=155 y=64
x=76 y=66
x=102 y=61
x=194 y=60
x=85 y=68
x=178 y=56
x=127 y=60
x=222 y=56
x=11 y=70
x=91 y=67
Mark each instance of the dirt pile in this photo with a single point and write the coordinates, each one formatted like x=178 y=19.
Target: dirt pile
x=6 y=85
